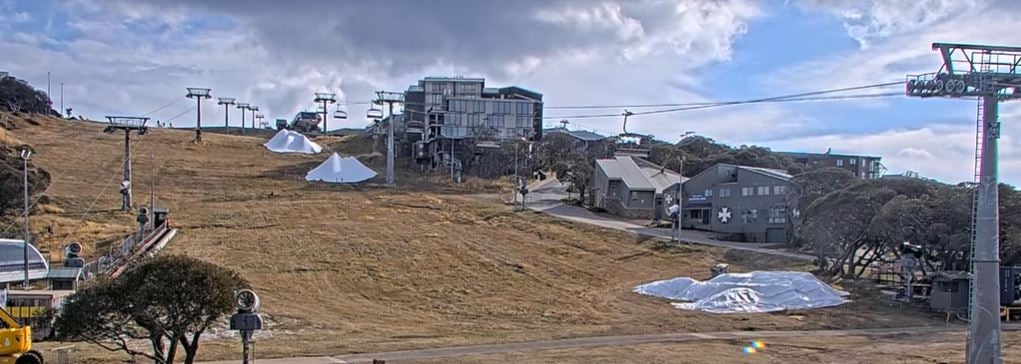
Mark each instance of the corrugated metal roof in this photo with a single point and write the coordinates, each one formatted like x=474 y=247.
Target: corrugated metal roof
x=661 y=178
x=12 y=256
x=625 y=169
x=579 y=134
x=65 y=273
x=775 y=173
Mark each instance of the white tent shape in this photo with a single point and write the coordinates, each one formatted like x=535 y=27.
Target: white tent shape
x=340 y=170
x=286 y=141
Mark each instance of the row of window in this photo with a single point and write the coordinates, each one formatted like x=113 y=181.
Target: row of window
x=777 y=215
x=490 y=107
x=751 y=191
x=457 y=131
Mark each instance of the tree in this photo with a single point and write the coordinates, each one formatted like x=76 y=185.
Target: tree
x=169 y=300
x=18 y=96
x=576 y=170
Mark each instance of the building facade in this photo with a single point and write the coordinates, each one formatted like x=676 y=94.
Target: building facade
x=862 y=166
x=632 y=187
x=442 y=113
x=745 y=202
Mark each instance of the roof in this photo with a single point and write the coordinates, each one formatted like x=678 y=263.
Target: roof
x=774 y=173
x=823 y=155
x=659 y=176
x=584 y=135
x=455 y=79
x=625 y=169
x=65 y=273
x=12 y=261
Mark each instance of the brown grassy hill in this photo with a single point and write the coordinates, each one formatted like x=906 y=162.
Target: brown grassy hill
x=350 y=269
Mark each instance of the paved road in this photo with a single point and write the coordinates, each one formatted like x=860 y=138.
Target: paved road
x=546 y=199
x=457 y=351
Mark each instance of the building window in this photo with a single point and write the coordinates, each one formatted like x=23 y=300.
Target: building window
x=708 y=193
x=747 y=191
x=779 y=190
x=853 y=161
x=724 y=192
x=777 y=215
x=750 y=216
x=763 y=190
x=840 y=162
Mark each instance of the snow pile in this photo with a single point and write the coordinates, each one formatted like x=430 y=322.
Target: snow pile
x=286 y=141
x=747 y=292
x=340 y=170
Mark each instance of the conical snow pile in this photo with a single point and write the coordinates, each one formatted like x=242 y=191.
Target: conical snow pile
x=286 y=141
x=340 y=170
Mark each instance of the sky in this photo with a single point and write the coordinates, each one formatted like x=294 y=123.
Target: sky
x=136 y=57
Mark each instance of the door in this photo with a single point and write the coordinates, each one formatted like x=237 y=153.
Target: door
x=776 y=235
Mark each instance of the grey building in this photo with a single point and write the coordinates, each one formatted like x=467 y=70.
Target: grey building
x=442 y=113
x=862 y=166
x=633 y=187
x=746 y=202
x=582 y=138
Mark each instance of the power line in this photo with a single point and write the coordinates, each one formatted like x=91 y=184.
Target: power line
x=163 y=107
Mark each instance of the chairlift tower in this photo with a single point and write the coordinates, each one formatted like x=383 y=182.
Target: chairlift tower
x=198 y=94
x=390 y=98
x=243 y=106
x=127 y=124
x=253 y=109
x=226 y=102
x=326 y=98
x=991 y=74
x=259 y=117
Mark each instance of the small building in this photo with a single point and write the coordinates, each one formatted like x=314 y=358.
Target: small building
x=582 y=138
x=949 y=291
x=862 y=166
x=747 y=202
x=633 y=187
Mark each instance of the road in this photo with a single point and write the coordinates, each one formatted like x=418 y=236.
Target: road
x=547 y=195
x=457 y=351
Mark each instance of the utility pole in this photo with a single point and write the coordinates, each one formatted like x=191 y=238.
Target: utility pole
x=989 y=74
x=198 y=94
x=226 y=102
x=152 y=192
x=242 y=106
x=325 y=98
x=61 y=97
x=678 y=223
x=126 y=124
x=390 y=98
x=25 y=155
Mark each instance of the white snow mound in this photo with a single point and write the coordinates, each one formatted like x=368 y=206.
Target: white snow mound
x=340 y=170
x=747 y=292
x=287 y=141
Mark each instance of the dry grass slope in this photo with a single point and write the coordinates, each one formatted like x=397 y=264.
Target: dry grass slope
x=353 y=269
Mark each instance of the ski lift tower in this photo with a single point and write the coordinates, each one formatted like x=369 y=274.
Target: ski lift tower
x=390 y=98
x=991 y=74
x=243 y=106
x=198 y=94
x=226 y=102
x=126 y=124
x=325 y=98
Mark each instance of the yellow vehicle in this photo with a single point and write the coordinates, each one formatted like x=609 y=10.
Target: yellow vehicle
x=16 y=342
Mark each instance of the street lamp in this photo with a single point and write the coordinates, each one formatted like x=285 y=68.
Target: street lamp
x=25 y=155
x=226 y=102
x=198 y=94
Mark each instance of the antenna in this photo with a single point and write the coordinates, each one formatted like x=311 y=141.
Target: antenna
x=989 y=73
x=198 y=94
x=226 y=102
x=126 y=124
x=242 y=106
x=325 y=98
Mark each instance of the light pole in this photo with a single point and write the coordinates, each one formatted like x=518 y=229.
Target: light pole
x=680 y=192
x=25 y=155
x=198 y=94
x=226 y=102
x=242 y=106
x=325 y=98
